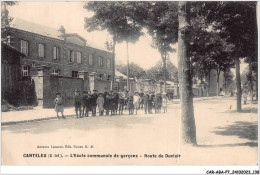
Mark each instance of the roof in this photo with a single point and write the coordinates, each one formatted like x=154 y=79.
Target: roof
x=36 y=28
x=6 y=47
x=119 y=74
x=74 y=34
x=28 y=26
x=170 y=83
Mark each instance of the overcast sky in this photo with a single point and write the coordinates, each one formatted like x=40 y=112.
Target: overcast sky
x=71 y=15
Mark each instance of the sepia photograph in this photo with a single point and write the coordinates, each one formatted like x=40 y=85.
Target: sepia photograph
x=129 y=83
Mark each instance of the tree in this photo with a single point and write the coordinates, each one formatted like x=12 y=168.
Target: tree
x=134 y=70
x=228 y=84
x=6 y=21
x=234 y=21
x=62 y=29
x=162 y=24
x=115 y=18
x=156 y=72
x=188 y=127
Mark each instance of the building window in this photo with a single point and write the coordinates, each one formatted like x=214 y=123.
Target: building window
x=71 y=55
x=100 y=77
x=109 y=77
x=90 y=60
x=75 y=74
x=100 y=61
x=78 y=57
x=41 y=50
x=108 y=63
x=56 y=72
x=24 y=47
x=25 y=71
x=56 y=53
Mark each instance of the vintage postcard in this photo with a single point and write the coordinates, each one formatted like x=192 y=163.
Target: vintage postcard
x=129 y=83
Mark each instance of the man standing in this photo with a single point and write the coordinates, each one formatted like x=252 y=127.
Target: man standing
x=116 y=100
x=94 y=97
x=151 y=103
x=86 y=103
x=122 y=96
x=106 y=101
x=111 y=103
x=146 y=102
x=77 y=102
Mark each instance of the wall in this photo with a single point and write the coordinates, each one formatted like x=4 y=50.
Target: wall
x=65 y=85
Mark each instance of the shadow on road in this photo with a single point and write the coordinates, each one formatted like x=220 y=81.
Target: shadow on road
x=87 y=124
x=242 y=129
x=244 y=110
x=251 y=144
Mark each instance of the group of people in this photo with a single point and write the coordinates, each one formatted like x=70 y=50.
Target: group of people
x=113 y=103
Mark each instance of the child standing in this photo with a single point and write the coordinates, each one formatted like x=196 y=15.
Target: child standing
x=164 y=103
x=100 y=103
x=58 y=105
x=130 y=104
x=136 y=102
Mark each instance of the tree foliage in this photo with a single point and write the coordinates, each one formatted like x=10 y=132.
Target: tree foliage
x=156 y=72
x=6 y=20
x=135 y=71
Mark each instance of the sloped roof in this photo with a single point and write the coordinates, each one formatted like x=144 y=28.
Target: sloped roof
x=75 y=34
x=119 y=74
x=28 y=26
x=36 y=28
x=170 y=83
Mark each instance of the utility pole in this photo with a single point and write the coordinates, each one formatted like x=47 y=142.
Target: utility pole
x=127 y=56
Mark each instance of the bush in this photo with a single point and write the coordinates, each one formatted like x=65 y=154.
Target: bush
x=5 y=107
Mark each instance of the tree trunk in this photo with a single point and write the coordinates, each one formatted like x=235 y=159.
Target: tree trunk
x=208 y=83
x=163 y=55
x=127 y=56
x=256 y=73
x=218 y=91
x=238 y=81
x=188 y=127
x=250 y=74
x=113 y=63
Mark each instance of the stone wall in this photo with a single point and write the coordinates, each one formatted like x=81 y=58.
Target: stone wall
x=66 y=86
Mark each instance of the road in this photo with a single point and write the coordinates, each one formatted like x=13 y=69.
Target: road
x=224 y=137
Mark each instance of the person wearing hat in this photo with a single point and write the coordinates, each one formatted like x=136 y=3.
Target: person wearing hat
x=115 y=100
x=106 y=100
x=164 y=102
x=156 y=103
x=77 y=102
x=122 y=97
x=58 y=102
x=159 y=102
x=100 y=104
x=141 y=104
x=130 y=104
x=94 y=97
x=136 y=101
x=86 y=103
x=151 y=103
x=146 y=102
x=110 y=104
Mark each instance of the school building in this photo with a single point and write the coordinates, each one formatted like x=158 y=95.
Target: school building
x=59 y=62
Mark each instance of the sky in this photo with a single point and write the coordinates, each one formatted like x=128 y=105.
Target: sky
x=71 y=15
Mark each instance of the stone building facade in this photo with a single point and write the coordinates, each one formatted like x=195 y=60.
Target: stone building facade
x=66 y=56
